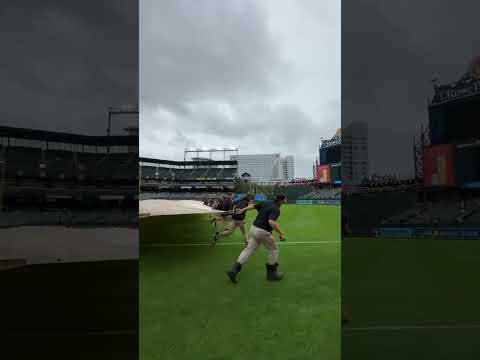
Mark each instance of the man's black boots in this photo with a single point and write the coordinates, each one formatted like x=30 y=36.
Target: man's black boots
x=232 y=274
x=272 y=272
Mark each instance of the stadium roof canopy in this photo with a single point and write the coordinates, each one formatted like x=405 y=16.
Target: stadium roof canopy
x=68 y=138
x=187 y=163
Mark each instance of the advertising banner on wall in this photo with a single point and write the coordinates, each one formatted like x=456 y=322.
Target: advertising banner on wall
x=319 y=202
x=323 y=174
x=438 y=165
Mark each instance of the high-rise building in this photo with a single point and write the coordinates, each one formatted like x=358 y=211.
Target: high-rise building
x=266 y=167
x=289 y=167
x=355 y=153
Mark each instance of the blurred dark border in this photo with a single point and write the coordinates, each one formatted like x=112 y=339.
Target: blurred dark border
x=411 y=224
x=69 y=179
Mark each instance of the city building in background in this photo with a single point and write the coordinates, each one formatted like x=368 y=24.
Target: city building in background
x=266 y=167
x=355 y=153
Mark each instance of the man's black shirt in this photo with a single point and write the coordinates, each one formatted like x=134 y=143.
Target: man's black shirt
x=267 y=210
x=241 y=204
x=227 y=204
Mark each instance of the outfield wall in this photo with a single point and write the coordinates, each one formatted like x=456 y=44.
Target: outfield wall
x=320 y=202
x=429 y=232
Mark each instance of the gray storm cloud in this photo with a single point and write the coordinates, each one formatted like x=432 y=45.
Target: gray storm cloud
x=54 y=53
x=390 y=53
x=230 y=73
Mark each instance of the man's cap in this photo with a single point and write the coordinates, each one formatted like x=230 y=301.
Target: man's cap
x=280 y=197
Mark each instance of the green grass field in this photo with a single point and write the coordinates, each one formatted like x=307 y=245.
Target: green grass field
x=411 y=299
x=46 y=310
x=190 y=310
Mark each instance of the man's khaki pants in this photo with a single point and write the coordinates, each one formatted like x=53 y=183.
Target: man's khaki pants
x=236 y=223
x=259 y=236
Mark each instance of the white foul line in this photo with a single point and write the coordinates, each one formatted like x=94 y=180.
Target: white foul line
x=235 y=244
x=413 y=327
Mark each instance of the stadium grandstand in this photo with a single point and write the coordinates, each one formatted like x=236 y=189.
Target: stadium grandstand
x=192 y=179
x=443 y=199
x=326 y=186
x=56 y=171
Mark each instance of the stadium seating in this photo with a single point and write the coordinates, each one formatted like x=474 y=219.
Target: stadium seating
x=185 y=178
x=22 y=162
x=445 y=212
x=293 y=193
x=323 y=194
x=148 y=172
x=59 y=165
x=186 y=195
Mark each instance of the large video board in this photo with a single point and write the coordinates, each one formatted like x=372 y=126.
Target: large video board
x=330 y=155
x=455 y=122
x=323 y=174
x=467 y=164
x=439 y=165
x=336 y=173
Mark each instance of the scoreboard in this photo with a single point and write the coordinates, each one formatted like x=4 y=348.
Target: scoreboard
x=468 y=165
x=330 y=159
x=455 y=122
x=330 y=155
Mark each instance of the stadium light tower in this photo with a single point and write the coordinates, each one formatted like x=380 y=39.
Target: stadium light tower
x=211 y=151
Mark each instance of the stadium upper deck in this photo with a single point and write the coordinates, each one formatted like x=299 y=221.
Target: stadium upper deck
x=36 y=164
x=156 y=174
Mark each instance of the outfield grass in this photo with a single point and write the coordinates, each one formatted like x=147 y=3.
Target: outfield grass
x=49 y=309
x=411 y=299
x=190 y=310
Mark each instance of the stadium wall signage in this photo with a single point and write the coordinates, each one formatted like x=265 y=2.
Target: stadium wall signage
x=336 y=140
x=429 y=232
x=319 y=202
x=395 y=232
x=458 y=92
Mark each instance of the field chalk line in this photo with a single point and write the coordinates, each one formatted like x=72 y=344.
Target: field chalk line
x=413 y=327
x=236 y=244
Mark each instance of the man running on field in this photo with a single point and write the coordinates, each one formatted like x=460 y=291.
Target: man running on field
x=238 y=219
x=261 y=233
x=221 y=220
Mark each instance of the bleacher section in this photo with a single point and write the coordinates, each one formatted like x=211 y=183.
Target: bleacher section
x=185 y=195
x=293 y=192
x=173 y=174
x=184 y=176
x=37 y=166
x=55 y=165
x=443 y=212
x=323 y=194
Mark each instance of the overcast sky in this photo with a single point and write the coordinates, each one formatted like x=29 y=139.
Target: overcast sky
x=63 y=63
x=391 y=50
x=260 y=75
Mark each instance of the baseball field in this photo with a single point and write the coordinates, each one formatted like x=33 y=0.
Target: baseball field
x=190 y=310
x=411 y=299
